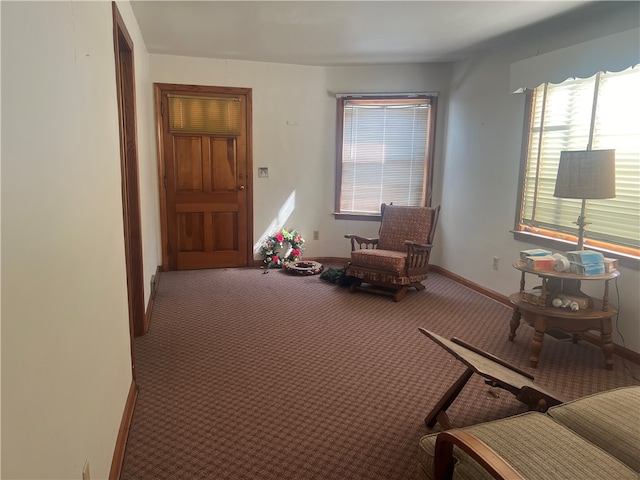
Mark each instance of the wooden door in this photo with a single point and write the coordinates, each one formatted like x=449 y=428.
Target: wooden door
x=206 y=187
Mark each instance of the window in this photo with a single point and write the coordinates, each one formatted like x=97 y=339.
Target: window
x=596 y=113
x=208 y=115
x=384 y=152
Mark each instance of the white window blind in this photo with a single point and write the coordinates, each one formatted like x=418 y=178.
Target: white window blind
x=600 y=112
x=384 y=153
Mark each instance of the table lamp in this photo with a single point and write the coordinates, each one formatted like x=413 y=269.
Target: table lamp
x=586 y=174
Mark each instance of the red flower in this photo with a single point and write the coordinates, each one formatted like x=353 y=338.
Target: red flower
x=274 y=259
x=298 y=238
x=295 y=253
x=279 y=237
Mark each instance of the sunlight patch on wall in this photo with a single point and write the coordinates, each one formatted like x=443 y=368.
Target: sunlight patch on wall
x=278 y=222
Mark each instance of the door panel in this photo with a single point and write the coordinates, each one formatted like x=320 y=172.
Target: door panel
x=224 y=168
x=189 y=166
x=206 y=194
x=224 y=237
x=191 y=232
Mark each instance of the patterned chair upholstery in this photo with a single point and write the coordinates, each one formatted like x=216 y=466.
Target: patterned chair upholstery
x=593 y=437
x=399 y=258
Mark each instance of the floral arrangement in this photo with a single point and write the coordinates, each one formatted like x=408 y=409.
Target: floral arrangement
x=282 y=247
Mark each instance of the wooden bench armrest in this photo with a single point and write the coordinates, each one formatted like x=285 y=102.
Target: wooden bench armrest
x=362 y=242
x=486 y=457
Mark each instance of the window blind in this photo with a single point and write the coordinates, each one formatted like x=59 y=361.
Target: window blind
x=384 y=153
x=204 y=115
x=600 y=112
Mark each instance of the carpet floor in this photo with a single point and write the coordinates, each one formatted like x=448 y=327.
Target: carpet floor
x=246 y=375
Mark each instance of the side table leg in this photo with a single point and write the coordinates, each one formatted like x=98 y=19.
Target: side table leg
x=606 y=343
x=605 y=297
x=540 y=327
x=514 y=323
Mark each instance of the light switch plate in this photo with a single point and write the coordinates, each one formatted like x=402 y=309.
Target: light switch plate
x=263 y=172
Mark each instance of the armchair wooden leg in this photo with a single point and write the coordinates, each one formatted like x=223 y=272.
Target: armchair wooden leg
x=400 y=293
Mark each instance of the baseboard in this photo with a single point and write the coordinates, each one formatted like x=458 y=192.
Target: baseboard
x=123 y=432
x=498 y=297
x=127 y=415
x=633 y=357
x=155 y=279
x=592 y=338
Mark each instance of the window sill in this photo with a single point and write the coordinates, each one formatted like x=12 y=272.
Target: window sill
x=357 y=216
x=627 y=261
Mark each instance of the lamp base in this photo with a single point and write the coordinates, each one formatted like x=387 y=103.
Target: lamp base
x=581 y=227
x=581 y=224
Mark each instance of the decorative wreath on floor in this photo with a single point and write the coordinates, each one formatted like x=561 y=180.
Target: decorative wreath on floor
x=304 y=268
x=282 y=247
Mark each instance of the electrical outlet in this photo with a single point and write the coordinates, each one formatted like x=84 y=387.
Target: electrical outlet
x=316 y=235
x=495 y=262
x=86 y=474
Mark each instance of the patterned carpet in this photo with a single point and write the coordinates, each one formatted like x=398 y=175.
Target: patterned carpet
x=251 y=376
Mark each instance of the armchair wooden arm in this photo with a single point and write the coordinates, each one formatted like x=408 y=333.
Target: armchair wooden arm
x=362 y=242
x=417 y=262
x=486 y=457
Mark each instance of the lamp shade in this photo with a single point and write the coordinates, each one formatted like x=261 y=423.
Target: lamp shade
x=586 y=174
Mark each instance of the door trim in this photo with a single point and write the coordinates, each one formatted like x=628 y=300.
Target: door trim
x=126 y=95
x=159 y=90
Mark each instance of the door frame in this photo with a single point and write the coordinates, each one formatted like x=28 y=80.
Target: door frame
x=126 y=95
x=159 y=90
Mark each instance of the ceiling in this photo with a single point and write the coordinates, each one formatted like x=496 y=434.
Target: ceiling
x=339 y=32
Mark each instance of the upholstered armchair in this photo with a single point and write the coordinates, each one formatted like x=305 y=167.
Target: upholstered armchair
x=399 y=258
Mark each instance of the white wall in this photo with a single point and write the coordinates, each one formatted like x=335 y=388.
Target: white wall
x=294 y=113
x=66 y=366
x=479 y=136
x=480 y=182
